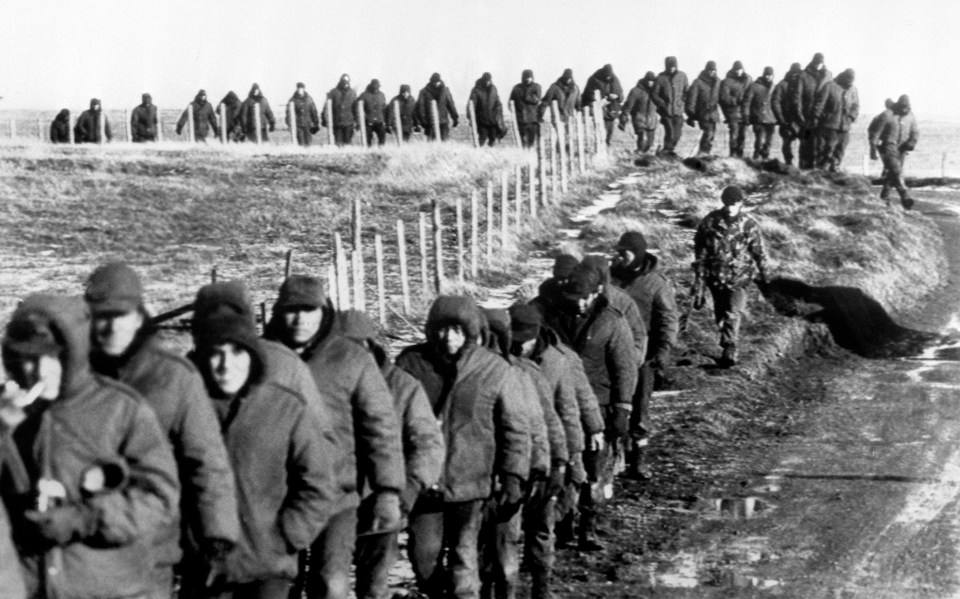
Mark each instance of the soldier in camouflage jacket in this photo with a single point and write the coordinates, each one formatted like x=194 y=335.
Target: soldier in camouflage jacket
x=726 y=247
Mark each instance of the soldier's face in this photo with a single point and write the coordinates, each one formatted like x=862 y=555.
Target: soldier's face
x=29 y=370
x=113 y=333
x=524 y=349
x=584 y=303
x=300 y=92
x=405 y=95
x=451 y=338
x=624 y=257
x=301 y=324
x=732 y=209
x=229 y=367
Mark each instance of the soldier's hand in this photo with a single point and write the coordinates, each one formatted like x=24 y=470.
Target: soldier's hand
x=179 y=130
x=619 y=426
x=63 y=525
x=558 y=478
x=455 y=122
x=596 y=442
x=511 y=496
x=873 y=153
x=273 y=127
x=386 y=512
x=418 y=129
x=621 y=126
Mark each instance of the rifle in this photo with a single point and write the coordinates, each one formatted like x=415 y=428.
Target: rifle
x=697 y=300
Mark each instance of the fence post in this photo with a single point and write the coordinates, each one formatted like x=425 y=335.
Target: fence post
x=518 y=192
x=435 y=117
x=256 y=123
x=472 y=115
x=424 y=275
x=598 y=123
x=127 y=126
x=863 y=165
x=70 y=132
x=542 y=170
x=101 y=126
x=458 y=203
x=399 y=123
x=223 y=124
x=288 y=264
x=343 y=284
x=191 y=130
x=332 y=290
x=359 y=281
x=362 y=121
x=356 y=224
x=292 y=116
x=532 y=190
x=404 y=280
x=581 y=159
x=474 y=234
x=504 y=205
x=514 y=125
x=588 y=135
x=437 y=246
x=213 y=274
x=381 y=286
x=562 y=143
x=553 y=163
x=159 y=125
x=489 y=223
x=328 y=109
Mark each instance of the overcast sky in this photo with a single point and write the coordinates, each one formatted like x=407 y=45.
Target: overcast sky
x=60 y=53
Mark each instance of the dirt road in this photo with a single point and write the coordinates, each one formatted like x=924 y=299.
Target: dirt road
x=852 y=492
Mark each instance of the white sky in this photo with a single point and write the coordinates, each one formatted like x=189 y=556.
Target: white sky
x=60 y=53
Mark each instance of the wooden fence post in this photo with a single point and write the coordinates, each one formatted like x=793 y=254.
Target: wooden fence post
x=514 y=125
x=598 y=124
x=359 y=281
x=504 y=205
x=70 y=132
x=581 y=159
x=438 y=247
x=256 y=123
x=562 y=144
x=191 y=131
x=343 y=284
x=381 y=285
x=553 y=163
x=223 y=124
x=472 y=114
x=332 y=290
x=474 y=234
x=518 y=192
x=13 y=129
x=102 y=126
x=864 y=167
x=489 y=223
x=356 y=224
x=435 y=117
x=424 y=275
x=328 y=109
x=127 y=126
x=458 y=203
x=532 y=190
x=404 y=279
x=542 y=170
x=288 y=264
x=362 y=121
x=292 y=117
x=399 y=123
x=159 y=125
x=587 y=135
x=213 y=274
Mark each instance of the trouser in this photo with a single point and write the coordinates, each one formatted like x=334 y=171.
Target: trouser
x=499 y=543
x=276 y=588
x=488 y=134
x=380 y=130
x=600 y=467
x=406 y=134
x=808 y=146
x=608 y=126
x=672 y=128
x=539 y=520
x=762 y=137
x=375 y=555
x=729 y=308
x=738 y=136
x=788 y=134
x=304 y=137
x=161 y=583
x=444 y=132
x=640 y=416
x=709 y=131
x=644 y=138
x=827 y=148
x=841 y=148
x=529 y=133
x=892 y=171
x=343 y=135
x=331 y=556
x=251 y=135
x=436 y=527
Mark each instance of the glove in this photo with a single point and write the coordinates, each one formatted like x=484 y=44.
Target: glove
x=214 y=553
x=273 y=127
x=621 y=125
x=691 y=122
x=620 y=423
x=178 y=130
x=388 y=129
x=456 y=122
x=906 y=147
x=418 y=129
x=356 y=126
x=596 y=442
x=216 y=132
x=873 y=153
x=386 y=512
x=410 y=494
x=511 y=496
x=557 y=479
x=314 y=130
x=63 y=525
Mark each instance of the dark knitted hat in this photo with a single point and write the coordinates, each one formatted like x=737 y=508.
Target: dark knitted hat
x=113 y=289
x=731 y=195
x=300 y=291
x=607 y=70
x=768 y=71
x=301 y=84
x=737 y=65
x=486 y=77
x=527 y=73
x=796 y=67
x=567 y=73
x=563 y=265
x=650 y=76
x=525 y=322
x=146 y=98
x=818 y=58
x=633 y=241
x=30 y=334
x=404 y=88
x=670 y=61
x=711 y=66
x=584 y=280
x=435 y=78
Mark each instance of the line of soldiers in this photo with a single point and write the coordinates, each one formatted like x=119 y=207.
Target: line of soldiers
x=266 y=466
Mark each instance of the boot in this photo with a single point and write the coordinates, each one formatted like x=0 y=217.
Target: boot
x=637 y=466
x=588 y=534
x=564 y=532
x=729 y=357
x=540 y=585
x=907 y=203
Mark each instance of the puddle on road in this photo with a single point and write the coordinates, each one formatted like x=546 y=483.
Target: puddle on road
x=736 y=508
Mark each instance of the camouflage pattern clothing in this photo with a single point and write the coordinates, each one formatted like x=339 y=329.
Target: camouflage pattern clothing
x=726 y=248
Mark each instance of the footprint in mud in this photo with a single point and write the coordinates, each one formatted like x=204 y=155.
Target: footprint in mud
x=856 y=321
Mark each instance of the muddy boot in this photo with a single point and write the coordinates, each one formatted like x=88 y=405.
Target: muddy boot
x=564 y=532
x=637 y=466
x=588 y=534
x=907 y=203
x=729 y=357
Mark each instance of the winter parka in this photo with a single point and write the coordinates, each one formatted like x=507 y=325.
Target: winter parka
x=526 y=101
x=640 y=107
x=305 y=111
x=60 y=128
x=670 y=93
x=487 y=105
x=803 y=93
x=446 y=109
x=703 y=98
x=365 y=426
x=655 y=298
x=173 y=388
x=733 y=90
x=895 y=131
x=837 y=107
x=247 y=117
x=778 y=101
x=567 y=97
x=204 y=118
x=598 y=82
x=758 y=103
x=373 y=103
x=231 y=103
x=94 y=422
x=343 y=106
x=408 y=112
x=604 y=343
x=476 y=398
x=283 y=466
x=87 y=129
x=143 y=122
x=560 y=388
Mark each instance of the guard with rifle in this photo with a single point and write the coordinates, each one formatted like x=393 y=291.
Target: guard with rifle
x=728 y=251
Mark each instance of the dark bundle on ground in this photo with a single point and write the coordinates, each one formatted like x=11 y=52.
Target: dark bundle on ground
x=856 y=321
